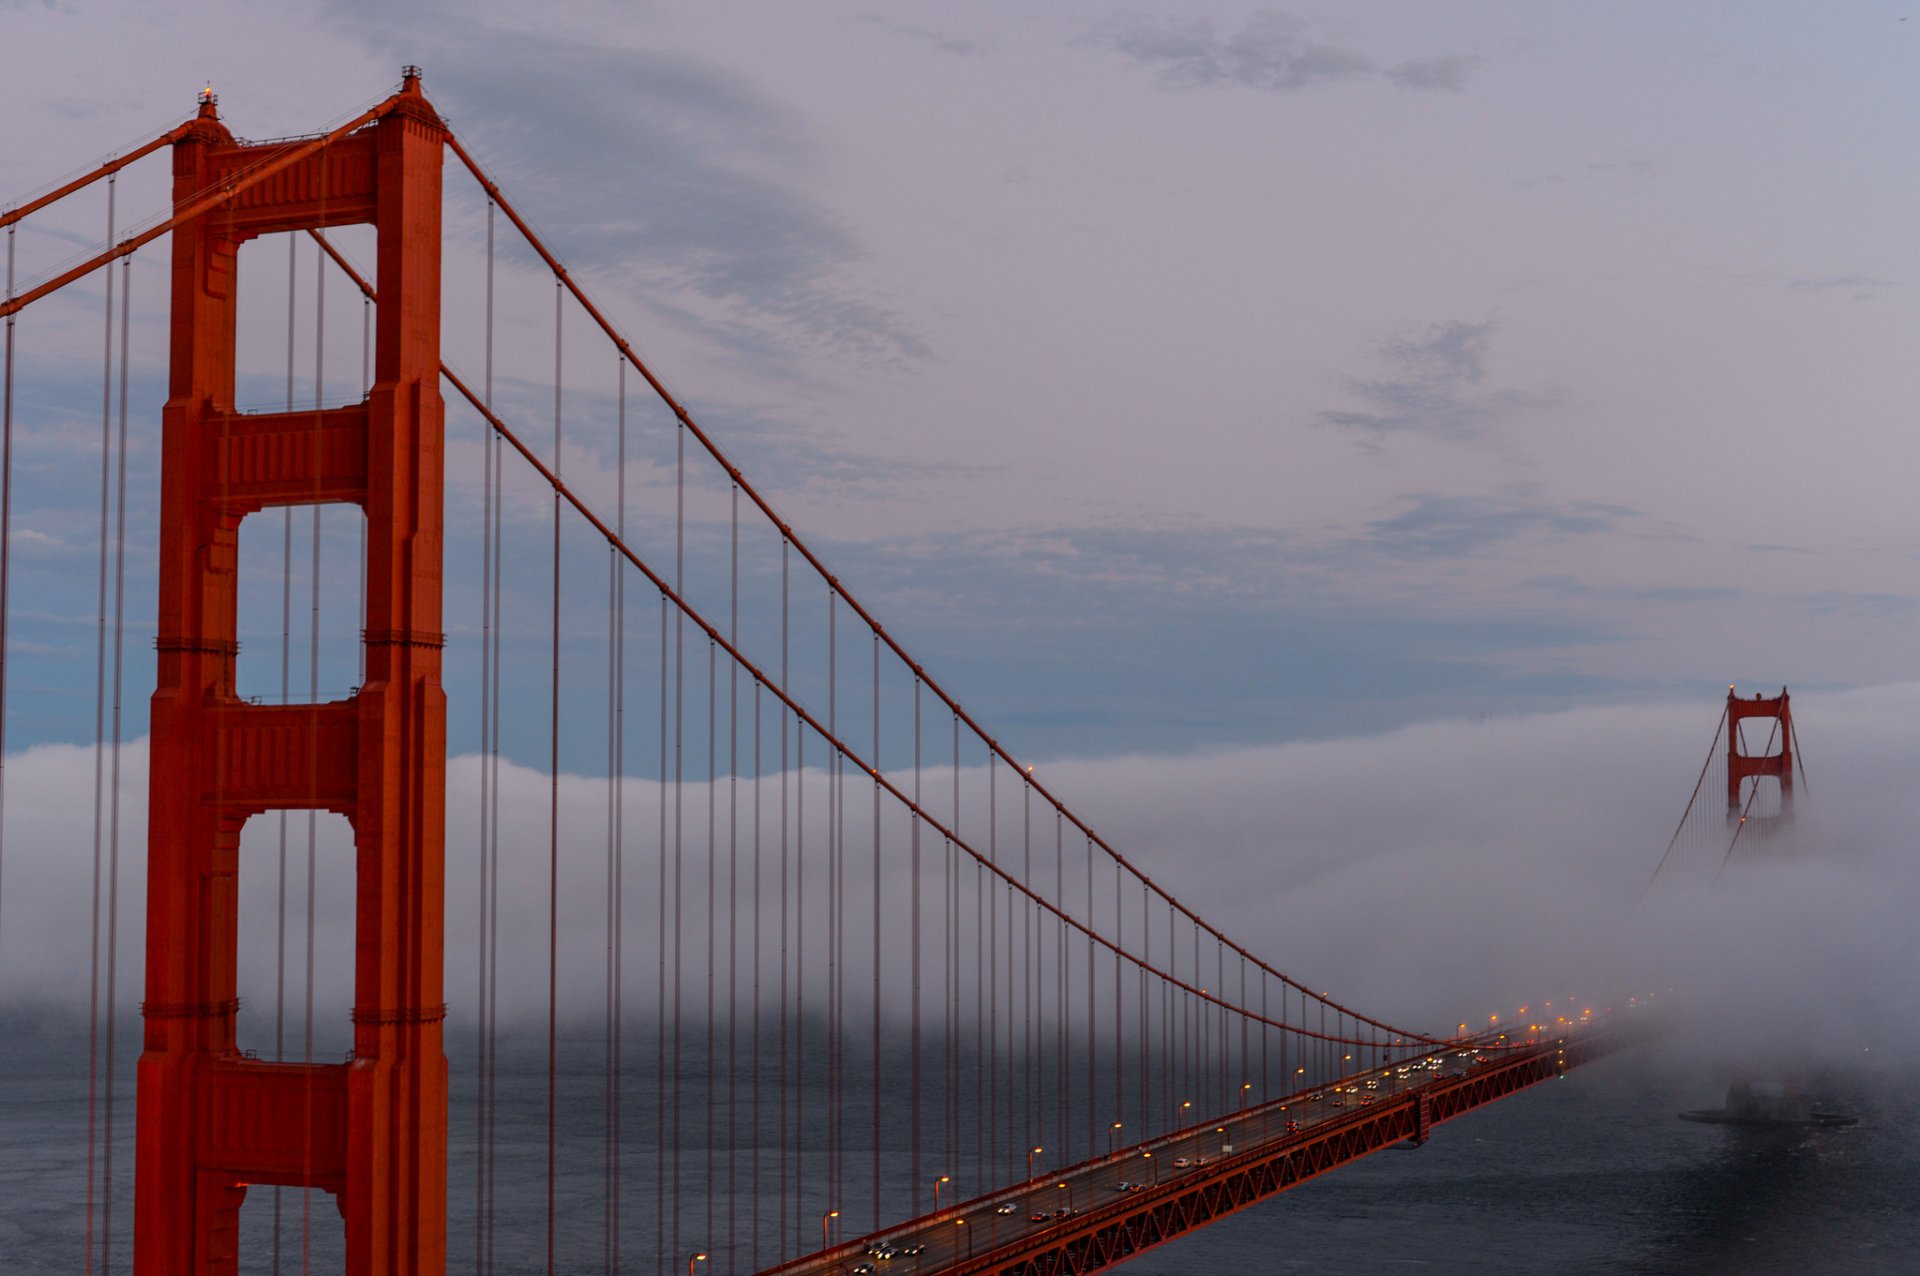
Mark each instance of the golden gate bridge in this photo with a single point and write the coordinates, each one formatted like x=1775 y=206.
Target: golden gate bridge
x=861 y=991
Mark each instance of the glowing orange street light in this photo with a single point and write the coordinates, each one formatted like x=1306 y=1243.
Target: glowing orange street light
x=1244 y=1087
x=1156 y=1168
x=697 y=1258
x=830 y=1214
x=1112 y=1130
x=961 y=1222
x=936 y=1190
x=1031 y=1153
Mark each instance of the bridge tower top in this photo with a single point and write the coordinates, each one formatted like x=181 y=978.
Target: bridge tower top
x=1742 y=765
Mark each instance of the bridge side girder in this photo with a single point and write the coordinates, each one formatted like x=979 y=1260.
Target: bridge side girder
x=1123 y=1229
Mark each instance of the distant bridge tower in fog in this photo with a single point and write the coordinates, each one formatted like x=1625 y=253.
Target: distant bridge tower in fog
x=1757 y=821
x=1769 y=762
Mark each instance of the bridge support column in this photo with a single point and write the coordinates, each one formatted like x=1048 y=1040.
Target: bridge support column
x=371 y=1130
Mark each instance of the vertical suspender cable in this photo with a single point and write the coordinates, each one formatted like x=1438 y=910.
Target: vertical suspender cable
x=707 y=1082
x=496 y=555
x=1145 y=1024
x=1061 y=1001
x=99 y=742
x=113 y=779
x=788 y=903
x=6 y=549
x=952 y=925
x=983 y=1167
x=483 y=1048
x=662 y=1068
x=619 y=607
x=480 y=931
x=800 y=970
x=1093 y=1020
x=1119 y=1000
x=609 y=1195
x=990 y=887
x=753 y=1116
x=286 y=696
x=913 y=1066
x=553 y=811
x=1030 y=974
x=879 y=1219
x=733 y=878
x=679 y=810
x=835 y=916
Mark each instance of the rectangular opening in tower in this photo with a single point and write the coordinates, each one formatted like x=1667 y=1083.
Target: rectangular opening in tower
x=1760 y=737
x=294 y=950
x=1760 y=796
x=291 y=1229
x=303 y=335
x=299 y=612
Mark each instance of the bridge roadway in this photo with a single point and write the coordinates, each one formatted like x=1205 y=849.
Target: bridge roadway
x=1080 y=1219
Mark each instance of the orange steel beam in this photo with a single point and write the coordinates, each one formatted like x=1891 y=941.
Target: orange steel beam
x=1110 y=1234
x=211 y=1122
x=753 y=494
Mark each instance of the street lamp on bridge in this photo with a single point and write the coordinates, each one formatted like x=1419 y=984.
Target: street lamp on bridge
x=1180 y=1113
x=1112 y=1131
x=1069 y=1187
x=1031 y=1153
x=1244 y=1087
x=697 y=1258
x=968 y=1233
x=936 y=1190
x=824 y=1219
x=1156 y=1168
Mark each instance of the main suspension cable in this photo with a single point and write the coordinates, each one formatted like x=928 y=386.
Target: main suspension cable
x=840 y=591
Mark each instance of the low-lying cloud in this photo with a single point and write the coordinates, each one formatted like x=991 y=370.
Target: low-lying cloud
x=1433 y=874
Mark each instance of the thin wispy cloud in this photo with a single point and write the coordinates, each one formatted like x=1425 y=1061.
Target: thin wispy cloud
x=1827 y=283
x=1438 y=525
x=938 y=41
x=1447 y=74
x=1434 y=384
x=1273 y=51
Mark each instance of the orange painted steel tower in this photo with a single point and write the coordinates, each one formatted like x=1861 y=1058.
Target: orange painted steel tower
x=1742 y=765
x=371 y=1130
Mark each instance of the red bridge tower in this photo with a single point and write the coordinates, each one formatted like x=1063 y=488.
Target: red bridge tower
x=1742 y=765
x=372 y=1130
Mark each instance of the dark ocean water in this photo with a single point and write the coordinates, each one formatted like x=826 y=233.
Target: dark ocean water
x=1592 y=1173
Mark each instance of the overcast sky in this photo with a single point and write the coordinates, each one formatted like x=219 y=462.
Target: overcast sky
x=1186 y=374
